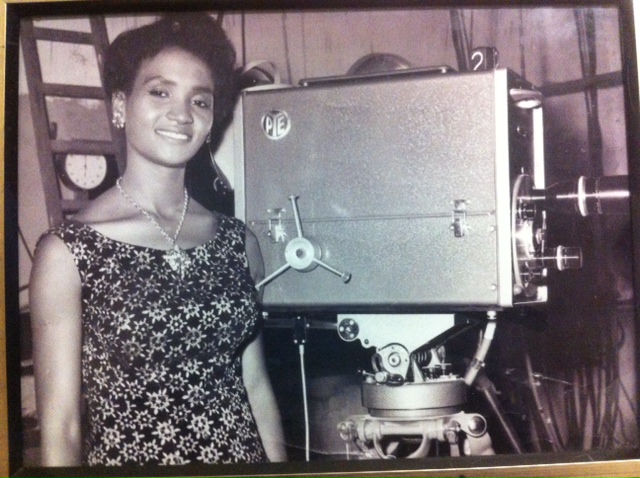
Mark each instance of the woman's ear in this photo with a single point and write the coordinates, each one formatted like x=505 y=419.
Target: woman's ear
x=118 y=107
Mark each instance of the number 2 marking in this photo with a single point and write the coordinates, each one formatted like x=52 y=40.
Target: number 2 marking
x=479 y=57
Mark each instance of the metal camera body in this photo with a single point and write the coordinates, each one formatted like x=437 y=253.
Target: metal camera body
x=395 y=201
x=404 y=181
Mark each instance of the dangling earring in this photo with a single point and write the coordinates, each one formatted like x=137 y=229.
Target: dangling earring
x=117 y=101
x=118 y=120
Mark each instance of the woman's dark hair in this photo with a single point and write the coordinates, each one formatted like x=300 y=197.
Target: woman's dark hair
x=195 y=32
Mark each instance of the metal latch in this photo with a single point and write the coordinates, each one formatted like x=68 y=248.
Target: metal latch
x=459 y=218
x=276 y=230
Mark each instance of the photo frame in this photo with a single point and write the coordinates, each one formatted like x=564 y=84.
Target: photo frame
x=605 y=461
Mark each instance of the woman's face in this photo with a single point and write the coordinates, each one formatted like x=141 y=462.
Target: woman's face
x=169 y=112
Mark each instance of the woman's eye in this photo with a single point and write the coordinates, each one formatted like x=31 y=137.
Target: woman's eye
x=200 y=103
x=159 y=93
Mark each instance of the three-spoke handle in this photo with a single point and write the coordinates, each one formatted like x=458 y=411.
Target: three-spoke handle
x=302 y=253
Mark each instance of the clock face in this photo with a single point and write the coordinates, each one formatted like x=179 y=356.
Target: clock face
x=84 y=171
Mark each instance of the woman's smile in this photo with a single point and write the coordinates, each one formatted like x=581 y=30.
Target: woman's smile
x=174 y=136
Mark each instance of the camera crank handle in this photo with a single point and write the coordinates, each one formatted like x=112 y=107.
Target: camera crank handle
x=345 y=276
x=272 y=276
x=296 y=214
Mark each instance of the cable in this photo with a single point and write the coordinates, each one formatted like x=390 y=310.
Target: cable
x=285 y=38
x=478 y=359
x=523 y=65
x=304 y=402
x=554 y=421
x=460 y=40
x=544 y=417
x=585 y=24
x=243 y=29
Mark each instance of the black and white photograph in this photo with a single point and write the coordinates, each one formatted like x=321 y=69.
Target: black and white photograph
x=316 y=239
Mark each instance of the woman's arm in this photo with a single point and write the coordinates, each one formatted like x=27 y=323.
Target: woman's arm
x=55 y=304
x=256 y=376
x=263 y=401
x=254 y=256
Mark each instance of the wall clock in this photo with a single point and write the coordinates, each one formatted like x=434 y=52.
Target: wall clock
x=83 y=171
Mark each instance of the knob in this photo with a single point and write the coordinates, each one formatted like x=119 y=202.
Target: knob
x=348 y=330
x=381 y=377
x=563 y=258
x=476 y=426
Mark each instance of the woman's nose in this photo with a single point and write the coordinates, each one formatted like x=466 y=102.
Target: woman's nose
x=180 y=112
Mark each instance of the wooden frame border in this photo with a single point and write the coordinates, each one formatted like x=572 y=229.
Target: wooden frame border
x=564 y=464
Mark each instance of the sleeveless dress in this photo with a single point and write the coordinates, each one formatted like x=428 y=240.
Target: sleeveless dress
x=161 y=355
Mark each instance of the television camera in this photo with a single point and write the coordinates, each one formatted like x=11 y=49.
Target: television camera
x=397 y=201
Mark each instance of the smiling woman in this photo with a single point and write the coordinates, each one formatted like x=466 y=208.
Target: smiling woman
x=168 y=112
x=144 y=311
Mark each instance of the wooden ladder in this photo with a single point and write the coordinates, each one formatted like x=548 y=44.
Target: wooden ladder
x=50 y=149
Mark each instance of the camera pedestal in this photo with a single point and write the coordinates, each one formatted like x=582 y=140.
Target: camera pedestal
x=409 y=420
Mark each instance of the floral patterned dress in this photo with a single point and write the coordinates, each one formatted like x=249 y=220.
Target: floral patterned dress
x=161 y=368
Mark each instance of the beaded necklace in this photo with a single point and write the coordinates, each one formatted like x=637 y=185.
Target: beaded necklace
x=177 y=258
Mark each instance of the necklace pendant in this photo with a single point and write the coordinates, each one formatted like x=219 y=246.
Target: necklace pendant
x=178 y=260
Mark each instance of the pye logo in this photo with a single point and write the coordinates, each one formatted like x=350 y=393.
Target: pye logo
x=276 y=124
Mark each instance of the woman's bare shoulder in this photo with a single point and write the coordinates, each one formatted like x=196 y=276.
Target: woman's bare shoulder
x=54 y=270
x=50 y=248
